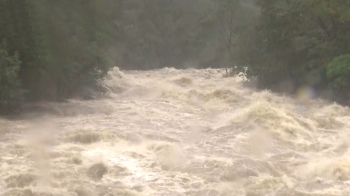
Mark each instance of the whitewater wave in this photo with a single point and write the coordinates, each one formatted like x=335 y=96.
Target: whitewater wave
x=178 y=132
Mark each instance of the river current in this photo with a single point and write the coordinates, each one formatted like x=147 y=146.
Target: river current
x=171 y=132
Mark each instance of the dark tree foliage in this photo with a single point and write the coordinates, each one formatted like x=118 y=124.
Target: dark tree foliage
x=304 y=43
x=16 y=29
x=55 y=50
x=10 y=87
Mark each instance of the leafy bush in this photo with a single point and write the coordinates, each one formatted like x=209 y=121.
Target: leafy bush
x=338 y=72
x=11 y=93
x=299 y=43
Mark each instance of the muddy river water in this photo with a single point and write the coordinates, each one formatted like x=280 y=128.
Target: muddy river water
x=171 y=132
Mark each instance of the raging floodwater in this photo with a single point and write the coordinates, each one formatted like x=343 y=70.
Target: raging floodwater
x=172 y=132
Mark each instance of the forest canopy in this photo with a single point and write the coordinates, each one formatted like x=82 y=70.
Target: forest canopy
x=54 y=50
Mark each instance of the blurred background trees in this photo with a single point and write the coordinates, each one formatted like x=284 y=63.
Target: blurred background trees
x=54 y=50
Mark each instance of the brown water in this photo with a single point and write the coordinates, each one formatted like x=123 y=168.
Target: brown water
x=172 y=132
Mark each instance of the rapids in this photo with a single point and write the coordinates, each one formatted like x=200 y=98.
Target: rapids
x=174 y=132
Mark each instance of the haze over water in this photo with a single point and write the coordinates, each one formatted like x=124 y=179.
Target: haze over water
x=178 y=132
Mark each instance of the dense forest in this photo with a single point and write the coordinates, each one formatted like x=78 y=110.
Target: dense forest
x=54 y=50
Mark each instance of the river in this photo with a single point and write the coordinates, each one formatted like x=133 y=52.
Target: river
x=171 y=132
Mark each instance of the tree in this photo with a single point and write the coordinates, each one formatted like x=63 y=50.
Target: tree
x=11 y=93
x=294 y=41
x=227 y=14
x=53 y=54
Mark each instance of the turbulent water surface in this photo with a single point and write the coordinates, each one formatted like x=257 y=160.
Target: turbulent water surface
x=172 y=132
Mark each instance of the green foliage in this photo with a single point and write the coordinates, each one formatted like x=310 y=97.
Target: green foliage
x=70 y=47
x=59 y=48
x=10 y=86
x=338 y=72
x=295 y=41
